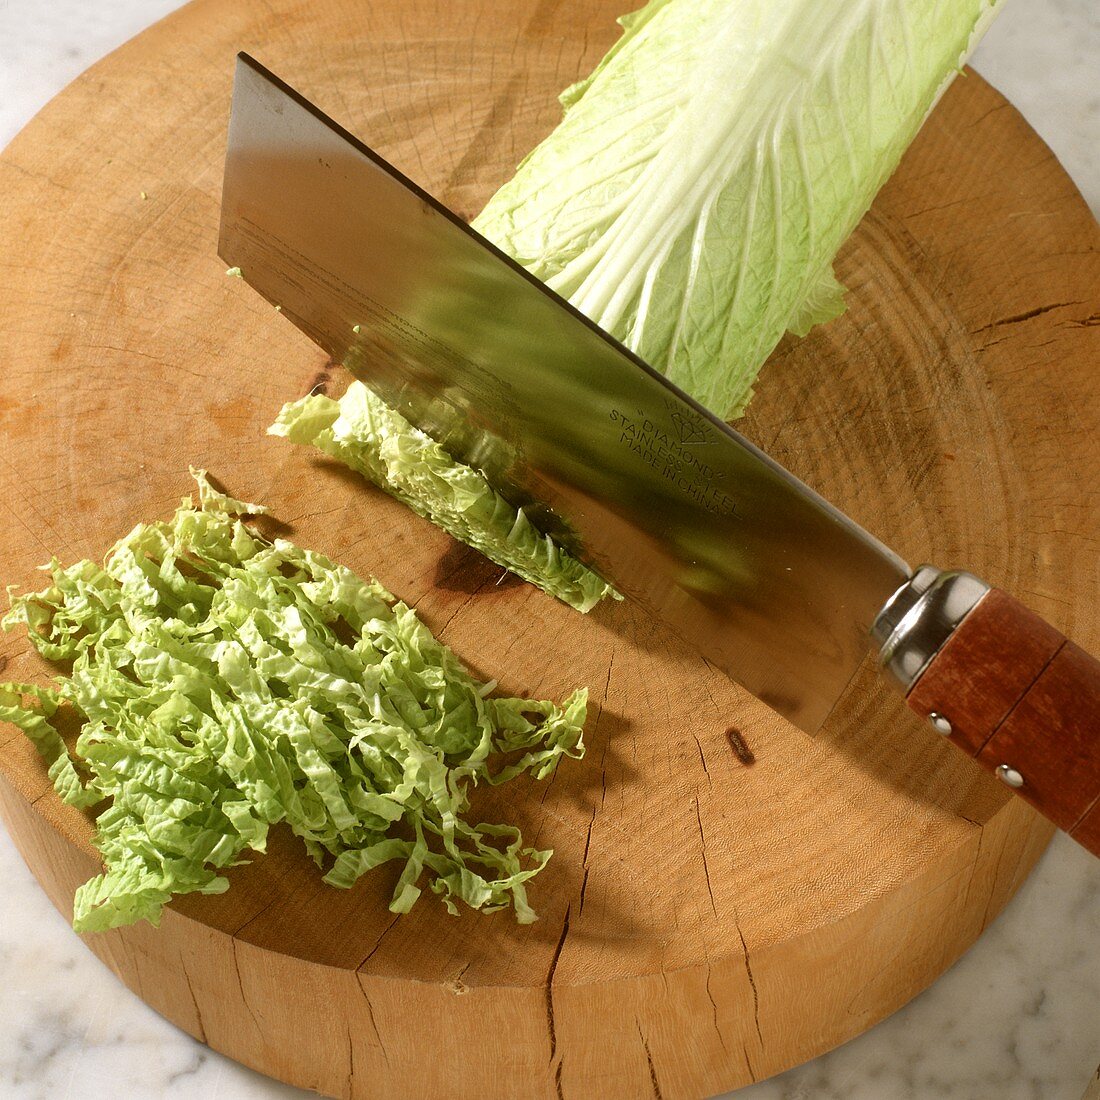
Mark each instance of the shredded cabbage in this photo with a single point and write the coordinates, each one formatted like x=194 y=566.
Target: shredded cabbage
x=226 y=683
x=363 y=432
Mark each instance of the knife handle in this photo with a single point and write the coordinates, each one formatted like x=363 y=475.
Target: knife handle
x=1004 y=686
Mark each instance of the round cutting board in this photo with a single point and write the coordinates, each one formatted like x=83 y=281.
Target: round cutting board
x=704 y=922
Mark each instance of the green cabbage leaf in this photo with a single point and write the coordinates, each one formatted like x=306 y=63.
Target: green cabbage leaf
x=225 y=683
x=364 y=433
x=694 y=196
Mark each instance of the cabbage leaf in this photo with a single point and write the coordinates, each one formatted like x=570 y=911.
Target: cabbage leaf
x=694 y=196
x=363 y=432
x=225 y=684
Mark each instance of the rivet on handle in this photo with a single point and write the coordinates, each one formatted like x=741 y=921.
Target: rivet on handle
x=1008 y=775
x=940 y=724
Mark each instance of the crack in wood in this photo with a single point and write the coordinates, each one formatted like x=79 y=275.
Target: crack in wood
x=1027 y=315
x=714 y=1008
x=351 y=1062
x=378 y=942
x=240 y=986
x=588 y=838
x=458 y=610
x=973 y=868
x=703 y=853
x=752 y=983
x=607 y=741
x=702 y=758
x=551 y=1023
x=455 y=984
x=373 y=1022
x=194 y=999
x=649 y=1062
x=584 y=861
x=584 y=887
x=255 y=917
x=748 y=1061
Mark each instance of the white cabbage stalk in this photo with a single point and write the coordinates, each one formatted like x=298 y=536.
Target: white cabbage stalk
x=694 y=196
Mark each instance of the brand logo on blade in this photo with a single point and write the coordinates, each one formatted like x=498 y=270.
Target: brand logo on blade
x=692 y=428
x=690 y=431
x=659 y=448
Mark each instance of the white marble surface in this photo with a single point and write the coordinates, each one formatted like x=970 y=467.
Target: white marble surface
x=1017 y=1019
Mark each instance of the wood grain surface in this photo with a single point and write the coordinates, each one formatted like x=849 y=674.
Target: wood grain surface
x=704 y=923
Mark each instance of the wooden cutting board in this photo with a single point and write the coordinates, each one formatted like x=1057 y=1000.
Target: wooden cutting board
x=704 y=923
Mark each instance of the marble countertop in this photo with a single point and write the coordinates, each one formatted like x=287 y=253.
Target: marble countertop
x=1018 y=1018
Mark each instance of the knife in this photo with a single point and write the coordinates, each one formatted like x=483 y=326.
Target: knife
x=683 y=515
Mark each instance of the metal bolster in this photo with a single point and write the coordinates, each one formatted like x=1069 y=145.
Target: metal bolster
x=919 y=618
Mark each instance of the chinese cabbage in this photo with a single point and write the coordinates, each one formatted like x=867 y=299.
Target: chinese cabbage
x=694 y=195
x=363 y=432
x=226 y=684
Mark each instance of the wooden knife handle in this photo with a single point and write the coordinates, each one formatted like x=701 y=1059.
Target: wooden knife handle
x=1010 y=690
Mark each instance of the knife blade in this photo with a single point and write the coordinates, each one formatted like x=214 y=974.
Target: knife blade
x=684 y=515
x=649 y=489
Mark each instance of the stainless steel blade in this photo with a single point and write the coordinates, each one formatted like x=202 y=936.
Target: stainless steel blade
x=656 y=494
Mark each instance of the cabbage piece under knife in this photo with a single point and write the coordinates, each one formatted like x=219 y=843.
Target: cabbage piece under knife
x=363 y=432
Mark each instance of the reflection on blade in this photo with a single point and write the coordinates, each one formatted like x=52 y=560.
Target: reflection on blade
x=653 y=492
